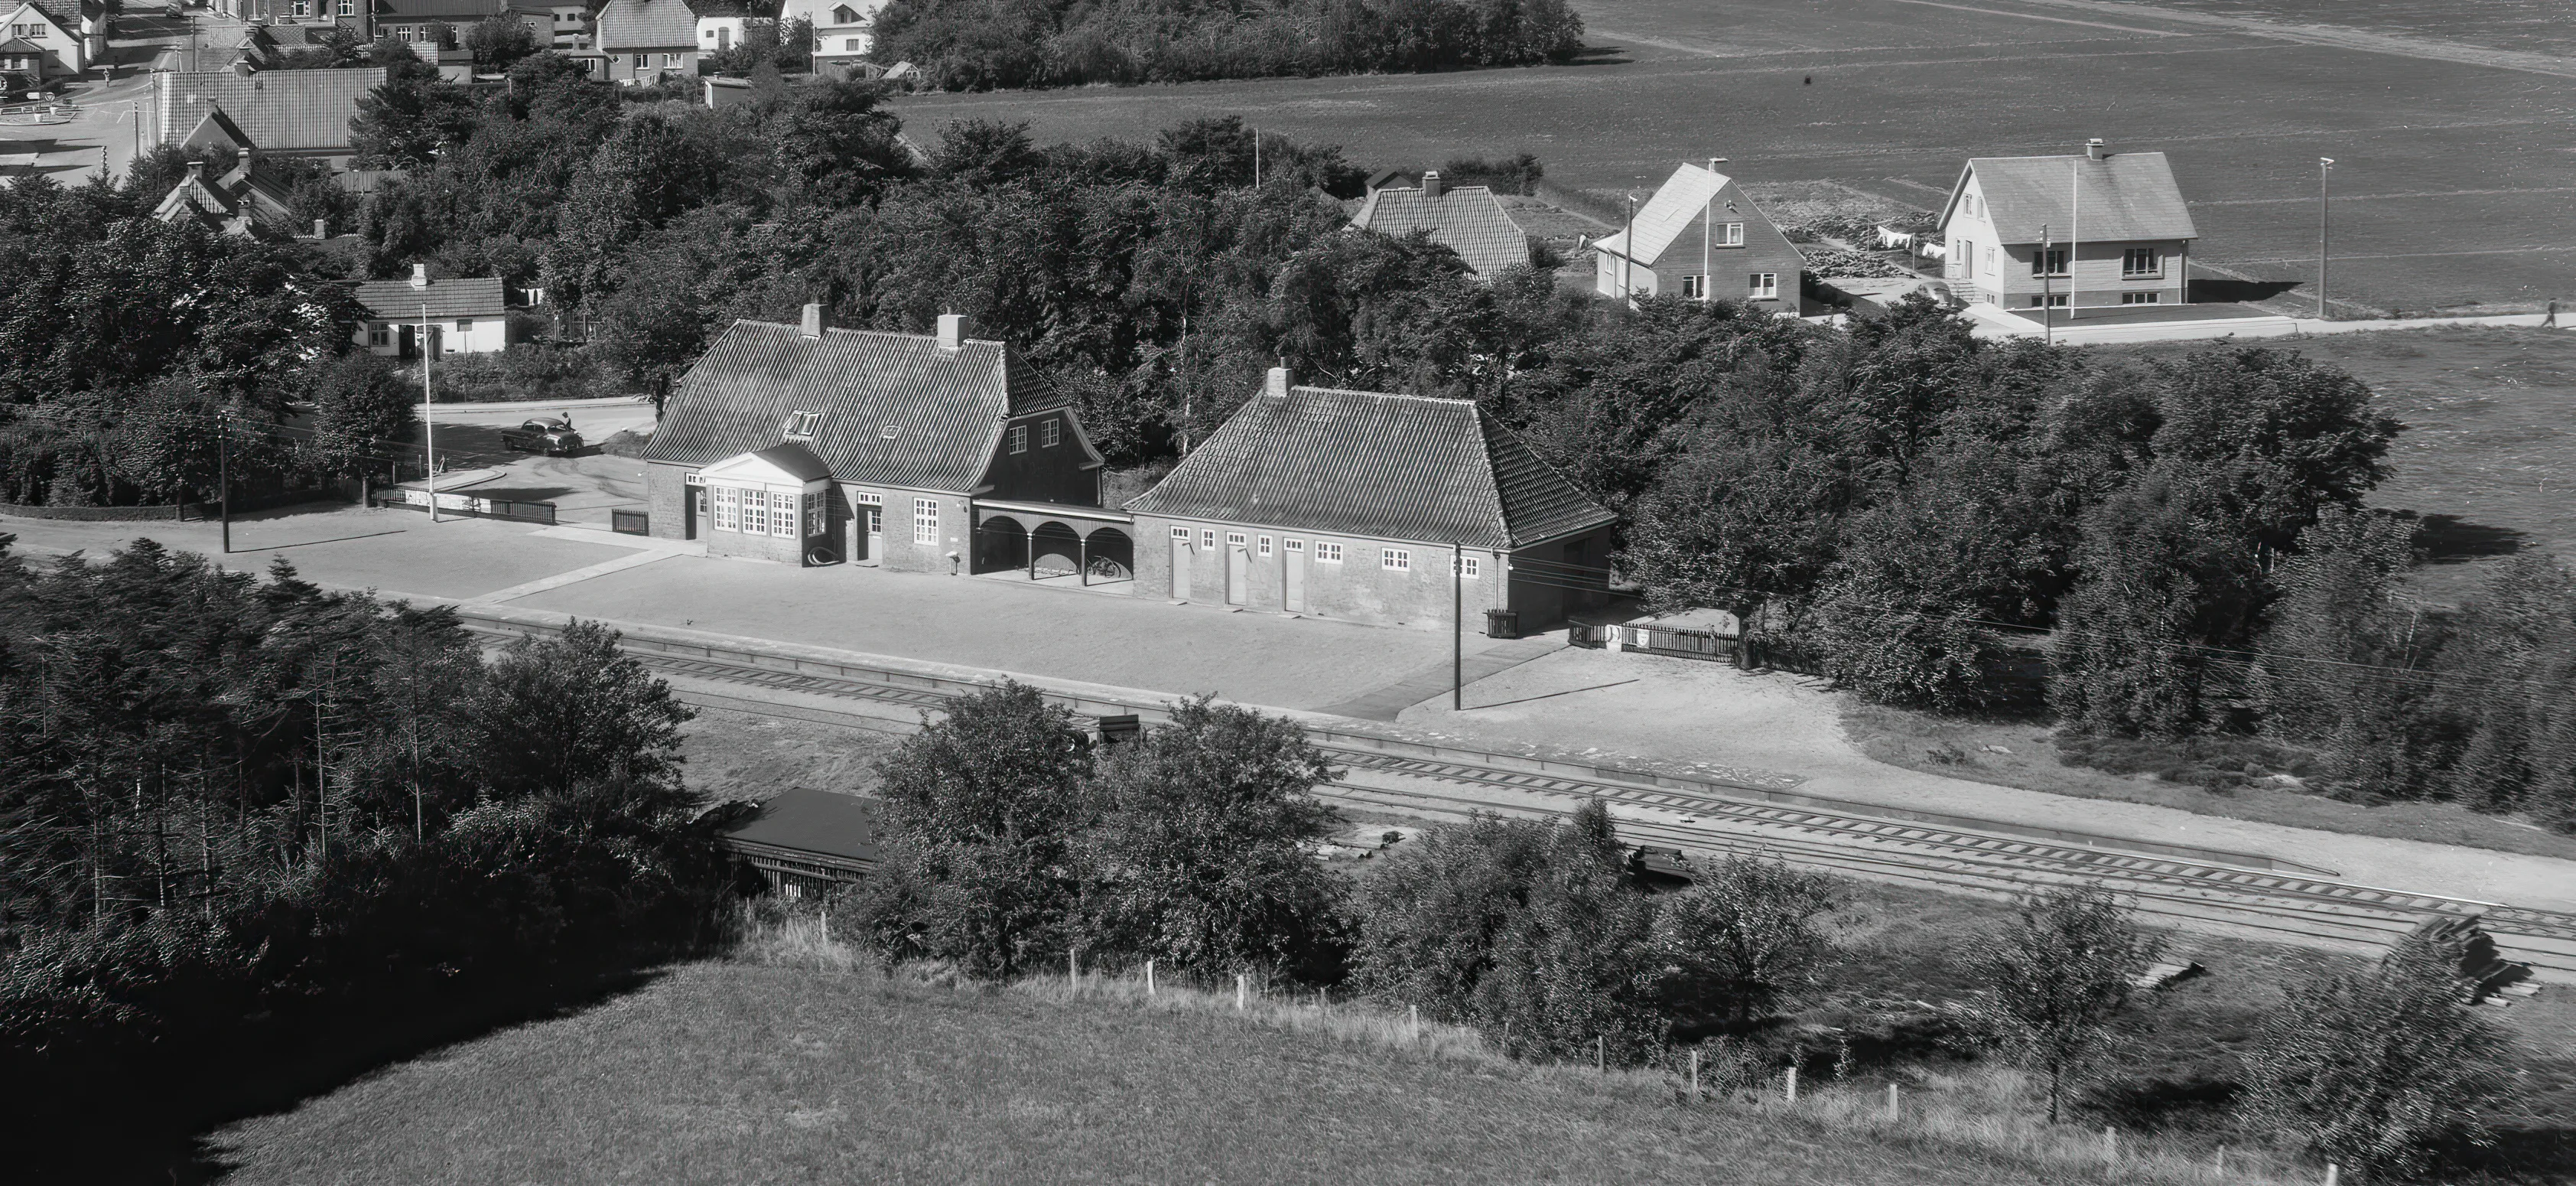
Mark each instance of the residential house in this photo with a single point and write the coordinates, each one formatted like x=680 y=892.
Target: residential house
x=642 y=41
x=805 y=444
x=54 y=38
x=1357 y=504
x=725 y=24
x=297 y=113
x=844 y=30
x=1466 y=219
x=404 y=318
x=247 y=200
x=415 y=21
x=556 y=25
x=1701 y=238
x=2088 y=229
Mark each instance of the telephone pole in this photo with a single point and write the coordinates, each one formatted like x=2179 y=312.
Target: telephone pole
x=428 y=425
x=2325 y=165
x=1458 y=627
x=224 y=473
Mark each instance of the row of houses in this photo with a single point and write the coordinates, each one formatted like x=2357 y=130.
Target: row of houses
x=629 y=41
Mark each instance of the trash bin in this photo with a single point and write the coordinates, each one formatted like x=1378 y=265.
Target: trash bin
x=1502 y=623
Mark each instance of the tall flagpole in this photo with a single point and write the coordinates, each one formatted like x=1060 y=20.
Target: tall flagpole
x=428 y=425
x=2325 y=165
x=1707 y=220
x=2074 y=236
x=2047 y=289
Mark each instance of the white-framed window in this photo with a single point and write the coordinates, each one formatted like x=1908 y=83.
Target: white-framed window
x=2141 y=261
x=1695 y=287
x=1234 y=539
x=755 y=512
x=380 y=335
x=1471 y=567
x=1019 y=438
x=348 y=7
x=813 y=514
x=1993 y=253
x=1397 y=558
x=464 y=325
x=1295 y=545
x=854 y=45
x=1181 y=533
x=801 y=424
x=1327 y=552
x=782 y=514
x=1726 y=234
x=1263 y=547
x=2048 y=262
x=728 y=502
x=1050 y=434
x=925 y=521
x=1762 y=286
x=2055 y=301
x=2141 y=298
x=639 y=61
x=867 y=499
x=1207 y=538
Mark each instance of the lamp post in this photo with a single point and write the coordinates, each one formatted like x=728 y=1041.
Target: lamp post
x=2325 y=165
x=428 y=426
x=224 y=473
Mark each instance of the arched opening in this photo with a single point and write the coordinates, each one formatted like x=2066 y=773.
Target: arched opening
x=1112 y=557
x=1054 y=551
x=1001 y=545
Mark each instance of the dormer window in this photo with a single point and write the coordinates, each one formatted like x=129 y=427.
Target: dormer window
x=843 y=15
x=800 y=425
x=890 y=432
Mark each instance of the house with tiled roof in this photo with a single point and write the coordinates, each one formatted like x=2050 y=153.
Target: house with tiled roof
x=247 y=199
x=844 y=30
x=2087 y=229
x=1371 y=507
x=302 y=113
x=925 y=452
x=406 y=318
x=641 y=41
x=1466 y=219
x=54 y=38
x=1701 y=238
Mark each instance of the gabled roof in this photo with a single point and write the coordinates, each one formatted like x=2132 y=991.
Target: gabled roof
x=64 y=13
x=470 y=296
x=248 y=196
x=1404 y=467
x=2124 y=196
x=1675 y=208
x=20 y=45
x=280 y=110
x=791 y=462
x=647 y=24
x=896 y=409
x=1465 y=219
x=217 y=128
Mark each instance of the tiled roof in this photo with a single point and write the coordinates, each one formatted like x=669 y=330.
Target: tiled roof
x=2125 y=195
x=438 y=10
x=1466 y=220
x=944 y=409
x=1403 y=467
x=20 y=45
x=647 y=24
x=217 y=128
x=1676 y=207
x=280 y=110
x=397 y=300
x=66 y=13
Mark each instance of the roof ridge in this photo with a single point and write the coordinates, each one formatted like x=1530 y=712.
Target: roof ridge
x=1434 y=399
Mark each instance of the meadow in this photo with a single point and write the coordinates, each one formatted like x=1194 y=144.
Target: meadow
x=800 y=1060
x=2452 y=183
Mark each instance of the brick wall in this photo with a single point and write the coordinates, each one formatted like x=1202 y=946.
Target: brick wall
x=1360 y=588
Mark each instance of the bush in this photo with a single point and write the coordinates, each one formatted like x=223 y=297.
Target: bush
x=525 y=371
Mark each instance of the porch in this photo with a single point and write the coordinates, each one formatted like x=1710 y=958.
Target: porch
x=1085 y=547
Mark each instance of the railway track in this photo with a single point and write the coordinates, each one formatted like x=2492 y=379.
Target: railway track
x=2287 y=904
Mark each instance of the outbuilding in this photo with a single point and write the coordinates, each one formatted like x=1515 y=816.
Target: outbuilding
x=1375 y=508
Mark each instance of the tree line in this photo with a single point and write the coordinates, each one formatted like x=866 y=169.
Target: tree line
x=254 y=834
x=1011 y=845
x=988 y=44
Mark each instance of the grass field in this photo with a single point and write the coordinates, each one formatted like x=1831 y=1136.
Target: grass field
x=2531 y=26
x=828 y=1071
x=2453 y=183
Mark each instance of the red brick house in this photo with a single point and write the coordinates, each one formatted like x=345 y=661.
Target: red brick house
x=1355 y=504
x=1701 y=238
x=804 y=444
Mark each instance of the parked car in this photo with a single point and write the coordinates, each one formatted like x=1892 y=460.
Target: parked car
x=550 y=435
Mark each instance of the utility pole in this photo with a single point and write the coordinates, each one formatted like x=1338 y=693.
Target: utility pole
x=224 y=473
x=2047 y=288
x=1458 y=627
x=428 y=426
x=1628 y=254
x=2325 y=165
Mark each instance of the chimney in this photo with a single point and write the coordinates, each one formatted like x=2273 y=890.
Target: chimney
x=2093 y=149
x=813 y=326
x=197 y=171
x=1431 y=183
x=952 y=330
x=1277 y=383
x=420 y=275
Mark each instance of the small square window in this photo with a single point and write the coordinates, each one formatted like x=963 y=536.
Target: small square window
x=1762 y=286
x=1264 y=548
x=1695 y=287
x=1327 y=553
x=1395 y=558
x=1181 y=533
x=1296 y=545
x=1729 y=234
x=1234 y=539
x=1471 y=567
x=1207 y=538
x=801 y=424
x=1019 y=438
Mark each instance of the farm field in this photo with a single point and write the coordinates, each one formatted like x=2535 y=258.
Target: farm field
x=801 y=1062
x=2534 y=26
x=2452 y=185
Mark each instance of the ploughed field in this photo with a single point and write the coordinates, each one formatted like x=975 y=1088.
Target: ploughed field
x=2452 y=187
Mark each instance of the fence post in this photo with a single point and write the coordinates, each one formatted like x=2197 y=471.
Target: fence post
x=1073 y=968
x=1413 y=1018
x=1790 y=1094
x=2220 y=1166
x=1601 y=1053
x=1694 y=1079
x=1893 y=1115
x=2110 y=1145
x=1242 y=991
x=1149 y=978
x=2333 y=1172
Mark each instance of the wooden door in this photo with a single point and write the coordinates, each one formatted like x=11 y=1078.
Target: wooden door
x=1180 y=564
x=1292 y=564
x=1238 y=569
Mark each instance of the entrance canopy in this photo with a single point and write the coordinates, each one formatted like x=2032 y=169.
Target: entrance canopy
x=789 y=466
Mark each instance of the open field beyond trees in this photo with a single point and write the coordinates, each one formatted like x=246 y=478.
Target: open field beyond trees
x=828 y=1070
x=2452 y=183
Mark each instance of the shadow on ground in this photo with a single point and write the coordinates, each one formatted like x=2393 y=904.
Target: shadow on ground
x=2449 y=539
x=2207 y=289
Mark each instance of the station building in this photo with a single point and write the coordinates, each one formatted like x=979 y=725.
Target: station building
x=1356 y=505
x=810 y=445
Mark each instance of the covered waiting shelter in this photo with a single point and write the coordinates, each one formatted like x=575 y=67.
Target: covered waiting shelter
x=1047 y=539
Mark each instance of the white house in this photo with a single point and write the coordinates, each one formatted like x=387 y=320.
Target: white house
x=2089 y=229
x=724 y=24
x=460 y=316
x=55 y=38
x=844 y=30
